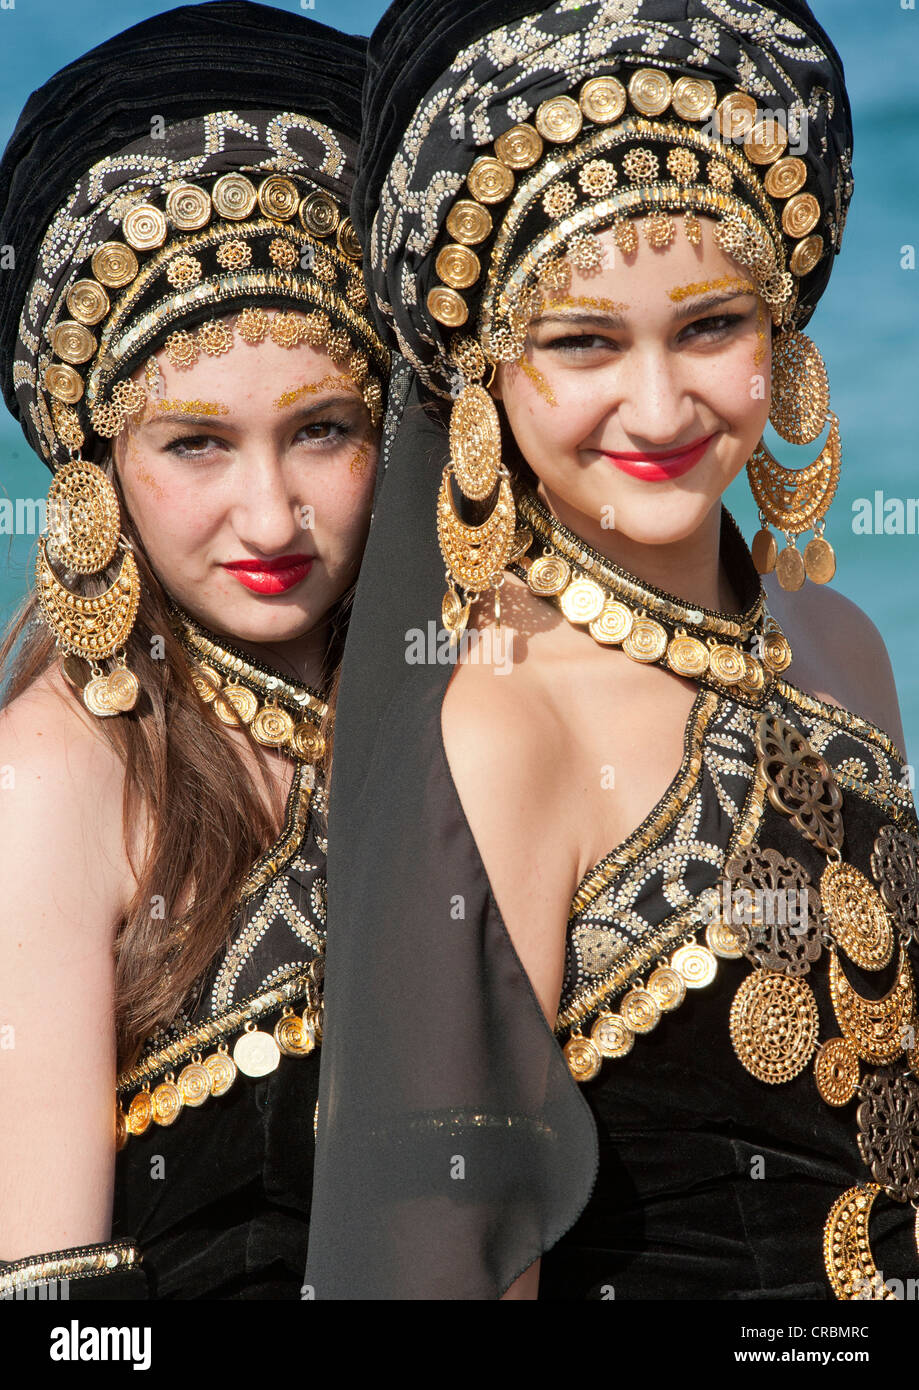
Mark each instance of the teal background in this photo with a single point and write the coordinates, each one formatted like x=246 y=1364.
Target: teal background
x=866 y=324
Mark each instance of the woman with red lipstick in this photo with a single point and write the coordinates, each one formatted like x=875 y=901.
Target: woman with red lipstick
x=651 y=928
x=184 y=341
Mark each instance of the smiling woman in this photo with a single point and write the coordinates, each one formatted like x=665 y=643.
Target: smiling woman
x=658 y=904
x=185 y=345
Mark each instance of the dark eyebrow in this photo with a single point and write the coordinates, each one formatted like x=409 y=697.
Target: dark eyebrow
x=211 y=421
x=351 y=398
x=214 y=423
x=581 y=320
x=687 y=310
x=692 y=307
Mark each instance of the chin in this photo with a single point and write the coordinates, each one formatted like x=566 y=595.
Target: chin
x=253 y=619
x=664 y=519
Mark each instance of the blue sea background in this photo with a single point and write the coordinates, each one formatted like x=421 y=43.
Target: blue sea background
x=866 y=324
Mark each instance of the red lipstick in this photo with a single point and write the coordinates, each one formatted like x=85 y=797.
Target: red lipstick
x=655 y=468
x=271 y=576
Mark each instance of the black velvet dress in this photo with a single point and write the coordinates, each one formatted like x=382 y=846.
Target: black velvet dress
x=218 y=1200
x=713 y=1183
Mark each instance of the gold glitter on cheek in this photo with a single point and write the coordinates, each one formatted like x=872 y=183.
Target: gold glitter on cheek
x=328 y=383
x=361 y=457
x=149 y=481
x=538 y=380
x=760 y=352
x=725 y=282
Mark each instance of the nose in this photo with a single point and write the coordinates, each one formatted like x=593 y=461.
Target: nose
x=656 y=407
x=267 y=513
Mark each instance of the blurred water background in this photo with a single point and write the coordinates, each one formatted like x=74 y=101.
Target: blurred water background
x=866 y=325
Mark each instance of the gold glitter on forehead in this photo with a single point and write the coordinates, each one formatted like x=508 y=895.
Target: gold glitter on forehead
x=311 y=388
x=584 y=301
x=724 y=282
x=161 y=407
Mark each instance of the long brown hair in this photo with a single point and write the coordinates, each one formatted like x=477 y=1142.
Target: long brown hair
x=185 y=779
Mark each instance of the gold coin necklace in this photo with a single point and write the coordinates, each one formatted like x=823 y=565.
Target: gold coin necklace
x=278 y=712
x=648 y=624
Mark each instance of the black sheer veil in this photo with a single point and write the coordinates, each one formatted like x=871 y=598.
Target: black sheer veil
x=453 y=1146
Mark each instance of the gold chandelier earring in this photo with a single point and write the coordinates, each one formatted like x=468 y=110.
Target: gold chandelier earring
x=474 y=555
x=794 y=500
x=83 y=533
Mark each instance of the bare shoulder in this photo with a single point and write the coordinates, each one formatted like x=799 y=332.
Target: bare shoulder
x=61 y=786
x=63 y=887
x=504 y=742
x=53 y=739
x=839 y=654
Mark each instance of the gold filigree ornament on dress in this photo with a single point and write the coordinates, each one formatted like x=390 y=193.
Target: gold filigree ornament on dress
x=850 y=1266
x=800 y=783
x=774 y=1025
x=888 y=1137
x=877 y=1029
x=859 y=920
x=895 y=864
x=801 y=786
x=773 y=894
x=836 y=1071
x=795 y=500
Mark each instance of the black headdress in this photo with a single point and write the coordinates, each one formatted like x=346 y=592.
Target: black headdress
x=114 y=170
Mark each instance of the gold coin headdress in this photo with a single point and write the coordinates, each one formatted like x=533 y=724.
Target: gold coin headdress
x=581 y=119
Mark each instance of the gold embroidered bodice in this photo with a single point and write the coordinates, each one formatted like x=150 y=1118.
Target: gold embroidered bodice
x=640 y=901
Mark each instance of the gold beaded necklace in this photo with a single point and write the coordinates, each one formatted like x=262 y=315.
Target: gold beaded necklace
x=279 y=712
x=649 y=624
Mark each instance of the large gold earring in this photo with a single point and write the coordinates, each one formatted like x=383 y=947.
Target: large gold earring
x=795 y=500
x=474 y=555
x=83 y=534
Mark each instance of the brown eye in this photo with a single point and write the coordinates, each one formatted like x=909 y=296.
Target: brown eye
x=714 y=327
x=579 y=342
x=326 y=433
x=190 y=444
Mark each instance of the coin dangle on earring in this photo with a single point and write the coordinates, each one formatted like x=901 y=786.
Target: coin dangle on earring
x=764 y=551
x=819 y=559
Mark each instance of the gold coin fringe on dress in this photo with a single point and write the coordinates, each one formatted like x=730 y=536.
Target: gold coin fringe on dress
x=255 y=1053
